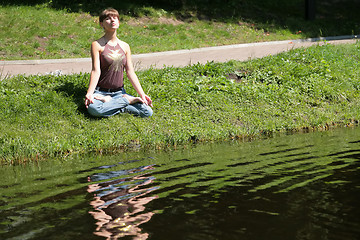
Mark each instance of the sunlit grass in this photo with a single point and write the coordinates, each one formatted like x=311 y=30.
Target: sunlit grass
x=317 y=87
x=41 y=32
x=44 y=33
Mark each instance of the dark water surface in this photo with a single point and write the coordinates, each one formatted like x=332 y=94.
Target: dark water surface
x=302 y=186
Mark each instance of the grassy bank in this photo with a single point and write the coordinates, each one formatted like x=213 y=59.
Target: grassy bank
x=43 y=29
x=44 y=116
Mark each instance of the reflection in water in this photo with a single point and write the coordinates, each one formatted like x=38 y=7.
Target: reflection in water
x=119 y=204
x=301 y=187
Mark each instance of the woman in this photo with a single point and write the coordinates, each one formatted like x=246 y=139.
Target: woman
x=106 y=95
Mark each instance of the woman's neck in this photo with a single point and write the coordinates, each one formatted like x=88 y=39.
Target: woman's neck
x=110 y=37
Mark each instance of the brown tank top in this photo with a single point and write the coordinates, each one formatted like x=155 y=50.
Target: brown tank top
x=112 y=63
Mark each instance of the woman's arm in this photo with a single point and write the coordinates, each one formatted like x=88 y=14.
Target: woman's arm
x=130 y=72
x=95 y=73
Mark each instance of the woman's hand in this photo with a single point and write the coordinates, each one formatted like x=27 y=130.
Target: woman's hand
x=89 y=99
x=147 y=100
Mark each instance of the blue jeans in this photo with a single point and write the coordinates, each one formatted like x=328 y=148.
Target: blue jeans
x=117 y=104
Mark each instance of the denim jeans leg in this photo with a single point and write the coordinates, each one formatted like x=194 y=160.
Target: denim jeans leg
x=139 y=109
x=116 y=105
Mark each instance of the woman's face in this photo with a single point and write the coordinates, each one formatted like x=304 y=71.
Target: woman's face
x=111 y=22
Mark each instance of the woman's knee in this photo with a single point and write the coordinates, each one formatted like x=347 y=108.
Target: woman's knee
x=94 y=111
x=147 y=113
x=141 y=110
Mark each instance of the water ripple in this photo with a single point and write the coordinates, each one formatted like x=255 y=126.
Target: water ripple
x=303 y=186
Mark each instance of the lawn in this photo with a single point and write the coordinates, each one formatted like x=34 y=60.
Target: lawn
x=40 y=29
x=312 y=88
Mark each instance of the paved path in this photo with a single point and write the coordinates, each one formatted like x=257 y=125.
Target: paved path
x=179 y=58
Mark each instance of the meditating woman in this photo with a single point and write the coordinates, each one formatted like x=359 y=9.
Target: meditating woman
x=110 y=56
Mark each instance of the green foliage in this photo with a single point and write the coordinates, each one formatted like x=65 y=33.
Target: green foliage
x=65 y=29
x=44 y=116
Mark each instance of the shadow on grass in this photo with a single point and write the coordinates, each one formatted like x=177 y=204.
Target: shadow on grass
x=333 y=17
x=74 y=90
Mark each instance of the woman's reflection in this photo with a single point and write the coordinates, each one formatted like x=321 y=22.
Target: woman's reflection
x=119 y=206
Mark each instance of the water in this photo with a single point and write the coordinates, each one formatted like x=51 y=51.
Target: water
x=302 y=186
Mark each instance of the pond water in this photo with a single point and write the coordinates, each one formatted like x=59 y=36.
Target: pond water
x=301 y=186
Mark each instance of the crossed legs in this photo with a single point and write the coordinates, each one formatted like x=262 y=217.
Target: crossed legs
x=106 y=105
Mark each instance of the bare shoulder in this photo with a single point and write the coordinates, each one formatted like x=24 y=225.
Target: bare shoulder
x=124 y=46
x=95 y=46
x=98 y=46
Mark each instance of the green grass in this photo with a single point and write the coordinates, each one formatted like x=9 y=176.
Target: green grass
x=49 y=33
x=316 y=87
x=42 y=29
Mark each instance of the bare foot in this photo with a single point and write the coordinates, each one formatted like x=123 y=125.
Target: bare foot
x=133 y=100
x=103 y=98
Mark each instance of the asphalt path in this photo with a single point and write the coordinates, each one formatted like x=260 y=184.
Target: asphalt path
x=179 y=58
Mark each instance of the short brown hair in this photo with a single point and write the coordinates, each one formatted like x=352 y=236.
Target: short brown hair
x=109 y=12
